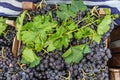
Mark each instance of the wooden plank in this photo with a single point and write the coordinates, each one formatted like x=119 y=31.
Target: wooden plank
x=15 y=47
x=19 y=47
x=11 y=23
x=114 y=74
x=107 y=42
x=101 y=12
x=115 y=44
x=115 y=34
x=115 y=60
x=28 y=5
x=115 y=50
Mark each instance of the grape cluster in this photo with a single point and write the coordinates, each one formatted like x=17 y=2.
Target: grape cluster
x=7 y=61
x=92 y=67
x=40 y=11
x=7 y=38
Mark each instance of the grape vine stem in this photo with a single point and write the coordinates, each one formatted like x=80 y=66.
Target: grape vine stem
x=21 y=65
x=45 y=51
x=69 y=75
x=83 y=27
x=3 y=53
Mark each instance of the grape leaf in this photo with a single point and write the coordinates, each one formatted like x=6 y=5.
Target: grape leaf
x=72 y=26
x=59 y=33
x=66 y=11
x=86 y=49
x=103 y=27
x=65 y=41
x=75 y=53
x=24 y=61
x=29 y=57
x=43 y=23
x=78 y=5
x=35 y=62
x=28 y=26
x=3 y=26
x=38 y=47
x=63 y=12
x=59 y=37
x=97 y=38
x=59 y=43
x=84 y=33
x=2 y=20
x=88 y=33
x=34 y=33
x=28 y=37
x=51 y=47
x=67 y=53
x=38 y=42
x=75 y=57
x=79 y=35
x=19 y=24
x=107 y=11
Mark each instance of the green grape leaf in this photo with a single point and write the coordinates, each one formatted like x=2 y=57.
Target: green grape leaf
x=84 y=33
x=67 y=53
x=63 y=11
x=51 y=47
x=28 y=26
x=38 y=19
x=103 y=27
x=88 y=31
x=72 y=26
x=65 y=41
x=97 y=38
x=57 y=38
x=24 y=61
x=67 y=11
x=2 y=28
x=63 y=7
x=78 y=5
x=38 y=42
x=34 y=33
x=75 y=53
x=3 y=25
x=19 y=24
x=28 y=36
x=57 y=43
x=86 y=49
x=47 y=26
x=34 y=63
x=79 y=35
x=29 y=57
x=57 y=35
x=107 y=11
x=2 y=20
x=43 y=23
x=38 y=47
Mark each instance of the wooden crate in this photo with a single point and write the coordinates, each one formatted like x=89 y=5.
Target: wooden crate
x=114 y=45
x=114 y=61
x=114 y=74
x=115 y=40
